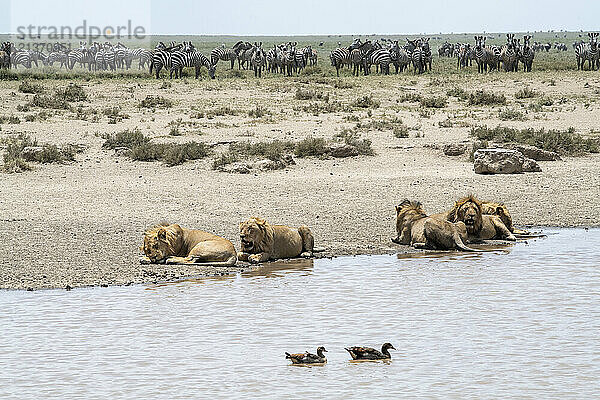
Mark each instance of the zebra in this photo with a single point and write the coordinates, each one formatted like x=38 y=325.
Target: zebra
x=417 y=56
x=313 y=57
x=288 y=59
x=359 y=53
x=258 y=60
x=145 y=57
x=486 y=57
x=272 y=59
x=245 y=55
x=526 y=54
x=381 y=58
x=299 y=60
x=21 y=57
x=427 y=57
x=225 y=54
x=464 y=50
x=399 y=57
x=508 y=54
x=340 y=57
x=5 y=51
x=587 y=52
x=193 y=58
x=161 y=57
x=58 y=56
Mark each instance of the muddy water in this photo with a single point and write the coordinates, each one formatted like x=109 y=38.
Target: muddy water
x=522 y=322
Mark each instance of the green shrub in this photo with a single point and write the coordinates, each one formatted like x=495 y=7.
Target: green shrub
x=311 y=147
x=366 y=101
x=72 y=92
x=410 y=98
x=434 y=102
x=457 y=92
x=511 y=115
x=258 y=112
x=156 y=102
x=353 y=139
x=28 y=87
x=485 y=98
x=525 y=93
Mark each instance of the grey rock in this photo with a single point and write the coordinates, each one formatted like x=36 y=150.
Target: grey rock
x=530 y=165
x=498 y=161
x=535 y=153
x=343 y=150
x=454 y=149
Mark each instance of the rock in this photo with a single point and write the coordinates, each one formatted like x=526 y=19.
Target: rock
x=498 y=161
x=31 y=153
x=269 y=165
x=121 y=151
x=454 y=149
x=237 y=168
x=536 y=153
x=530 y=165
x=343 y=150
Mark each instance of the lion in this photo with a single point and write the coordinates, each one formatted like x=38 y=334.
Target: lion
x=172 y=244
x=262 y=241
x=415 y=228
x=479 y=225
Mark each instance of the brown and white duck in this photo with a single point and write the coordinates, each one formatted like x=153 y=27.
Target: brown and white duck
x=369 y=353
x=308 y=358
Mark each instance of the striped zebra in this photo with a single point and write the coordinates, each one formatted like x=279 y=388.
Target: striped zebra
x=340 y=57
x=21 y=57
x=145 y=58
x=526 y=54
x=399 y=57
x=58 y=56
x=464 y=50
x=226 y=54
x=193 y=58
x=486 y=57
x=508 y=54
x=299 y=60
x=5 y=51
x=382 y=58
x=272 y=59
x=313 y=57
x=288 y=59
x=358 y=55
x=417 y=57
x=161 y=57
x=258 y=60
x=427 y=56
x=245 y=55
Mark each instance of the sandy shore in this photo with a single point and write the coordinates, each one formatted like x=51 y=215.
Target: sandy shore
x=81 y=224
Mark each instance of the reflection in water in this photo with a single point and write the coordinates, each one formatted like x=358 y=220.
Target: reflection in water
x=515 y=322
x=453 y=255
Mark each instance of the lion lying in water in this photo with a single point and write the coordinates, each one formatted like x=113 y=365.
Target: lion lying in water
x=172 y=244
x=415 y=228
x=262 y=241
x=479 y=225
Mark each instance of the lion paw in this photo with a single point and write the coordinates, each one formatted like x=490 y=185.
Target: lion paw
x=254 y=259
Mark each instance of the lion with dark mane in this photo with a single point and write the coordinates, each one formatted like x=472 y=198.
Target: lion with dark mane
x=172 y=244
x=480 y=226
x=415 y=228
x=262 y=241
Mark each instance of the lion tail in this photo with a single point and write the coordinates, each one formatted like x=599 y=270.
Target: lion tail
x=308 y=240
x=460 y=244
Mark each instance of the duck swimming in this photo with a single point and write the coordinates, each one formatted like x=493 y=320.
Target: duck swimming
x=369 y=353
x=308 y=358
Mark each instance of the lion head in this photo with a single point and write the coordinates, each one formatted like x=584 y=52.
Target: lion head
x=256 y=235
x=468 y=210
x=406 y=213
x=499 y=209
x=162 y=241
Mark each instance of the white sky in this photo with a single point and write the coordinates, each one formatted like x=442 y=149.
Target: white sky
x=308 y=17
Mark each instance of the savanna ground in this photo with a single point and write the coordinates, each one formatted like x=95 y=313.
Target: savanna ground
x=80 y=221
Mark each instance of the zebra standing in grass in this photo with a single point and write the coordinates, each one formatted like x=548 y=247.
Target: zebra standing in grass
x=382 y=58
x=258 y=60
x=313 y=57
x=299 y=60
x=417 y=56
x=359 y=53
x=245 y=55
x=288 y=59
x=21 y=57
x=57 y=56
x=427 y=57
x=161 y=58
x=226 y=54
x=591 y=51
x=194 y=58
x=485 y=57
x=340 y=57
x=508 y=54
x=526 y=54
x=399 y=57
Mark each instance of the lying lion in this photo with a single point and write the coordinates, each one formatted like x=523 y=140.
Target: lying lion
x=262 y=241
x=172 y=244
x=479 y=225
x=415 y=228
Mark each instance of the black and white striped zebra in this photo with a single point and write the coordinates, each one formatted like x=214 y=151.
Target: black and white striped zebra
x=161 y=57
x=5 y=55
x=228 y=54
x=486 y=57
x=359 y=53
x=382 y=58
x=340 y=57
x=427 y=56
x=21 y=58
x=526 y=54
x=399 y=57
x=58 y=56
x=193 y=58
x=258 y=60
x=588 y=52
x=416 y=55
x=508 y=54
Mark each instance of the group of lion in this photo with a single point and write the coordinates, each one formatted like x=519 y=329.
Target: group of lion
x=470 y=220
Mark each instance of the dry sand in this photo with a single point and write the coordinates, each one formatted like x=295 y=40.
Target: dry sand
x=81 y=224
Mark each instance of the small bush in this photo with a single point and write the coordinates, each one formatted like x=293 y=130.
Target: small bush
x=49 y=102
x=114 y=114
x=340 y=84
x=434 y=102
x=28 y=87
x=73 y=92
x=410 y=98
x=127 y=138
x=156 y=102
x=366 y=102
x=562 y=142
x=308 y=94
x=525 y=93
x=511 y=115
x=16 y=159
x=457 y=92
x=485 y=98
x=353 y=139
x=311 y=147
x=258 y=112
x=12 y=119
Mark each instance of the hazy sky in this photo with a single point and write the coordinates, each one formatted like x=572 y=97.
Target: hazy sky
x=312 y=17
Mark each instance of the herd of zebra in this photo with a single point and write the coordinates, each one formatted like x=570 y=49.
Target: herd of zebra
x=288 y=58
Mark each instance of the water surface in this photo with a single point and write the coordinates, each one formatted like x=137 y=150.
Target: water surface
x=522 y=321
